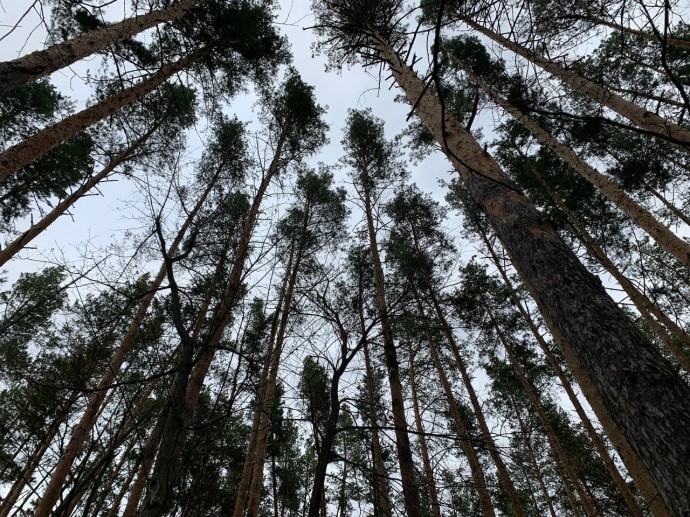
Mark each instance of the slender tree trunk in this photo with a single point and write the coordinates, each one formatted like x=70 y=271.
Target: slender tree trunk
x=402 y=439
x=673 y=208
x=36 y=229
x=560 y=455
x=639 y=215
x=88 y=419
x=267 y=401
x=32 y=463
x=42 y=63
x=462 y=427
x=680 y=43
x=598 y=442
x=621 y=363
x=175 y=435
x=39 y=144
x=250 y=457
x=426 y=462
x=379 y=484
x=644 y=119
x=148 y=456
x=114 y=510
x=535 y=463
x=503 y=473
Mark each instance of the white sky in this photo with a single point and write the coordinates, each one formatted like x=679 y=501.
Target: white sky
x=102 y=220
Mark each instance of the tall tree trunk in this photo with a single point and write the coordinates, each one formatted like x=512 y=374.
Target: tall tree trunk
x=638 y=214
x=36 y=229
x=535 y=463
x=32 y=463
x=148 y=455
x=382 y=505
x=39 y=144
x=402 y=439
x=598 y=442
x=175 y=435
x=88 y=419
x=426 y=462
x=561 y=457
x=648 y=309
x=503 y=473
x=621 y=363
x=254 y=494
x=646 y=120
x=462 y=426
x=673 y=208
x=42 y=63
x=250 y=457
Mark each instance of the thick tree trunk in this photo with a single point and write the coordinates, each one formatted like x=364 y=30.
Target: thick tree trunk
x=644 y=119
x=36 y=229
x=638 y=214
x=382 y=505
x=623 y=366
x=39 y=144
x=82 y=430
x=426 y=462
x=598 y=442
x=402 y=439
x=648 y=309
x=42 y=63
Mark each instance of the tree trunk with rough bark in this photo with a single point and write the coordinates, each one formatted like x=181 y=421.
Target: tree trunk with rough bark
x=598 y=442
x=379 y=484
x=622 y=365
x=39 y=144
x=41 y=63
x=626 y=204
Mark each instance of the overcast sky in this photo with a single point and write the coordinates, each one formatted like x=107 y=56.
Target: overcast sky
x=100 y=220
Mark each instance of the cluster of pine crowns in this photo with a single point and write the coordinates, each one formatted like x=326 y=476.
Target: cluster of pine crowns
x=282 y=327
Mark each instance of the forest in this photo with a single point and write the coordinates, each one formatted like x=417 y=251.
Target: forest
x=279 y=258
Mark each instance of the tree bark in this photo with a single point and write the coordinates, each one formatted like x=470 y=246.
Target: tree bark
x=623 y=366
x=42 y=63
x=644 y=119
x=426 y=462
x=626 y=204
x=39 y=144
x=599 y=444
